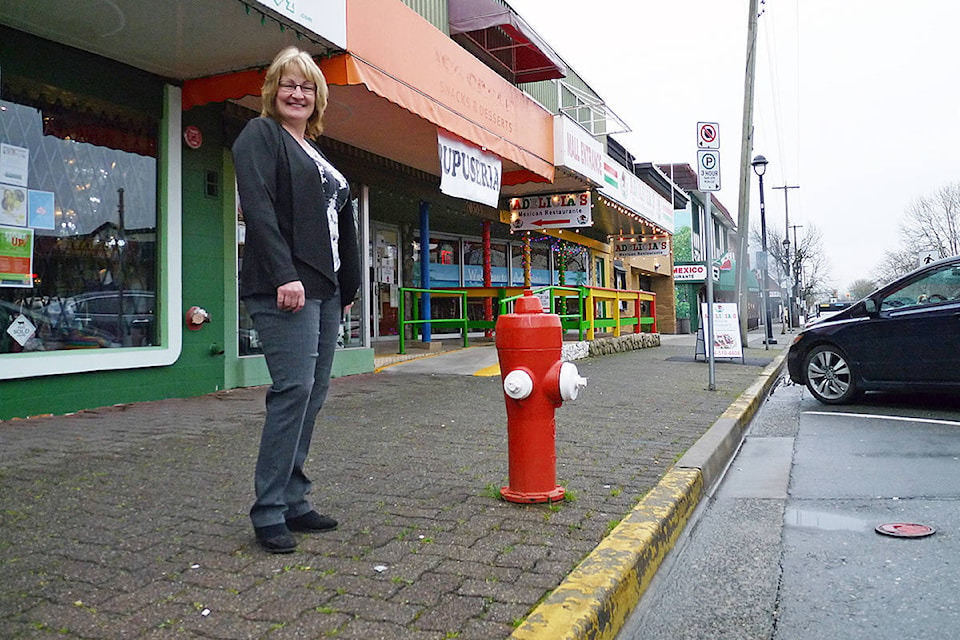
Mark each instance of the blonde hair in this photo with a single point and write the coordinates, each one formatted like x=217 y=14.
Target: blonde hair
x=295 y=60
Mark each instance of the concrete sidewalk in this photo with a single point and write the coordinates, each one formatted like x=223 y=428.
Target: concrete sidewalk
x=131 y=521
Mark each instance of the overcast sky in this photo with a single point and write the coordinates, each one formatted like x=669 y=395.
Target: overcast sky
x=856 y=101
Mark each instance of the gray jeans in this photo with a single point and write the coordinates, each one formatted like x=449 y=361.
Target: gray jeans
x=298 y=348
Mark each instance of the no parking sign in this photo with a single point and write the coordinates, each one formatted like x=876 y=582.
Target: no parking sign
x=708 y=135
x=708 y=156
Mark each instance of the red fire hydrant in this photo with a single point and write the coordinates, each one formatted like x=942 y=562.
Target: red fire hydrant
x=535 y=383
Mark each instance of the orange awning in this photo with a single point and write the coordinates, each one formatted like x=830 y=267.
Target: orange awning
x=389 y=95
x=349 y=71
x=430 y=75
x=229 y=86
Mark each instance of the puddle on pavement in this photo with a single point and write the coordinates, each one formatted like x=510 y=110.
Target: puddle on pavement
x=823 y=520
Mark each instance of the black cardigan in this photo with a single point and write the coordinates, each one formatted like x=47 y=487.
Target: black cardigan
x=284 y=205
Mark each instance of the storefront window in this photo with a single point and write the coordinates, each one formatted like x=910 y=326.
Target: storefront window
x=444 y=274
x=473 y=263
x=78 y=226
x=576 y=269
x=539 y=263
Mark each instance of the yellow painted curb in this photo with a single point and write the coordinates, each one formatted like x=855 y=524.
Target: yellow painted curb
x=486 y=372
x=593 y=602
x=596 y=598
x=402 y=360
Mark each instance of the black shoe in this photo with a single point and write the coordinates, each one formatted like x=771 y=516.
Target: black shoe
x=311 y=521
x=276 y=538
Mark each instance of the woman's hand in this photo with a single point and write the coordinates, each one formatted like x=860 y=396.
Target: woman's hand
x=290 y=296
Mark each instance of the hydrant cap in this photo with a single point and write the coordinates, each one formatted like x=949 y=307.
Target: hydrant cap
x=528 y=303
x=518 y=384
x=570 y=381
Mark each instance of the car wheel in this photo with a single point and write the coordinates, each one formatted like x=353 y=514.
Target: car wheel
x=829 y=376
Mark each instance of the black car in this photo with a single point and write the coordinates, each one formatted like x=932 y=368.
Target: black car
x=122 y=317
x=826 y=310
x=903 y=336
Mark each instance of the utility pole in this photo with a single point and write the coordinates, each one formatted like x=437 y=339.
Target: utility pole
x=786 y=247
x=746 y=148
x=798 y=269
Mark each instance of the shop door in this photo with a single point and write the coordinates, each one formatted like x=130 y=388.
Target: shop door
x=385 y=280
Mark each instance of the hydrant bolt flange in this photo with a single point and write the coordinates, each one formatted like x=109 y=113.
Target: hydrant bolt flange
x=518 y=384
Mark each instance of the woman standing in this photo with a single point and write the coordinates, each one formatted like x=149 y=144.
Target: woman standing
x=301 y=269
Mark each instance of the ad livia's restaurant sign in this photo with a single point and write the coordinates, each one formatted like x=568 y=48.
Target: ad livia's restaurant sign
x=556 y=211
x=638 y=246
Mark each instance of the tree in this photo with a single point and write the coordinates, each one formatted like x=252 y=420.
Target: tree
x=862 y=288
x=682 y=252
x=930 y=223
x=806 y=259
x=682 y=246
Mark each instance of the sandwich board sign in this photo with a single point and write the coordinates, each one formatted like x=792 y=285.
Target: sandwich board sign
x=726 y=329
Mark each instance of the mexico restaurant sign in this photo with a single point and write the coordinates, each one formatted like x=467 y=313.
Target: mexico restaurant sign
x=696 y=272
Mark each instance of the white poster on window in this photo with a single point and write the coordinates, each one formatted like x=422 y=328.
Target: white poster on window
x=13 y=205
x=468 y=172
x=726 y=329
x=14 y=163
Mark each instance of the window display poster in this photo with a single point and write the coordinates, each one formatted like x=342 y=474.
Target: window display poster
x=13 y=205
x=16 y=257
x=14 y=163
x=40 y=209
x=726 y=329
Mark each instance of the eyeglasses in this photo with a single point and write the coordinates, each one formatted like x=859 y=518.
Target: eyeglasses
x=308 y=89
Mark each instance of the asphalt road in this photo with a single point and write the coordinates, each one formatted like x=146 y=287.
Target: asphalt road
x=787 y=548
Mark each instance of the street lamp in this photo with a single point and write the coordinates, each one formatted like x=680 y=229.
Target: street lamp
x=759 y=165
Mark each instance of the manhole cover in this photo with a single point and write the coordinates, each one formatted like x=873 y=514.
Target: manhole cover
x=905 y=530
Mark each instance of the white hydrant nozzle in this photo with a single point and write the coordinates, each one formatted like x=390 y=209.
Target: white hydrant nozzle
x=570 y=381
x=518 y=384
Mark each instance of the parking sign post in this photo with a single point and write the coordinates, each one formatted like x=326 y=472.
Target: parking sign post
x=708 y=181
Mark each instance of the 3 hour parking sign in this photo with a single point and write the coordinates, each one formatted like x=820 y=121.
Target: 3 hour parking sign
x=708 y=169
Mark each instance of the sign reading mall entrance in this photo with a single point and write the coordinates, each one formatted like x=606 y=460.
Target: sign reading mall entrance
x=551 y=211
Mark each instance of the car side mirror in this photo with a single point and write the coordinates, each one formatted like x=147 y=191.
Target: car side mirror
x=870 y=306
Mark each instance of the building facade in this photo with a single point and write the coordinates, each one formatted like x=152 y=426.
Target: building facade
x=704 y=246
x=121 y=236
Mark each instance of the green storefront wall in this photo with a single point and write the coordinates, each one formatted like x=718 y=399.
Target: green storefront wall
x=199 y=369
x=208 y=360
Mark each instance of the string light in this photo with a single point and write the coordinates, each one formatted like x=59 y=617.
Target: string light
x=264 y=18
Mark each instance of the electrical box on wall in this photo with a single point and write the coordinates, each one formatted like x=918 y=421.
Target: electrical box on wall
x=211 y=187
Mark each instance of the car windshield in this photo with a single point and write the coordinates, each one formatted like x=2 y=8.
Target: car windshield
x=937 y=287
x=832 y=307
